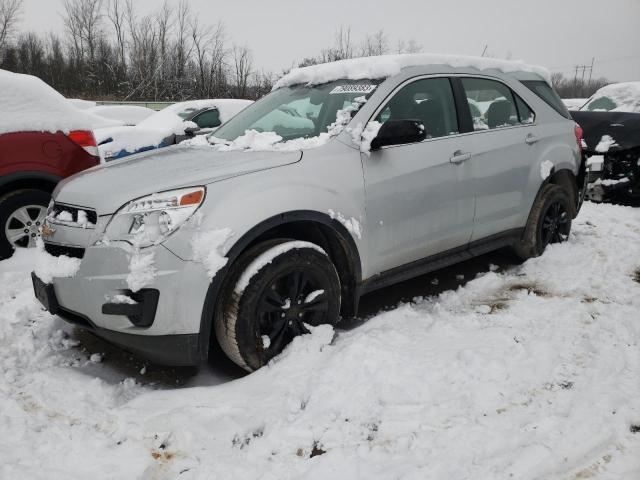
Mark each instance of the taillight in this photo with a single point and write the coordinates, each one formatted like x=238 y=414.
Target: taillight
x=84 y=139
x=578 y=131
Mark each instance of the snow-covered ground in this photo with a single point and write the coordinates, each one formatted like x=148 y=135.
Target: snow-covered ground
x=532 y=372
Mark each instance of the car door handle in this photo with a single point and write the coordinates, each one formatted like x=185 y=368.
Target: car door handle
x=530 y=139
x=459 y=156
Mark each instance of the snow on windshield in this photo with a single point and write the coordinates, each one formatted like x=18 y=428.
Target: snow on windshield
x=618 y=97
x=255 y=140
x=384 y=66
x=30 y=105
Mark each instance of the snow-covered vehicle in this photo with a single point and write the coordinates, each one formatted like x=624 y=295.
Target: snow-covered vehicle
x=610 y=120
x=250 y=238
x=169 y=126
x=43 y=139
x=127 y=114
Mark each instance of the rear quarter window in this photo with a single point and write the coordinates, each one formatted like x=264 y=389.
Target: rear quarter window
x=543 y=90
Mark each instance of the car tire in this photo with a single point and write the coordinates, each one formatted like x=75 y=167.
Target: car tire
x=549 y=222
x=29 y=202
x=270 y=296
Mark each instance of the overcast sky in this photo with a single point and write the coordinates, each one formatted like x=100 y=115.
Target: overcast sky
x=558 y=34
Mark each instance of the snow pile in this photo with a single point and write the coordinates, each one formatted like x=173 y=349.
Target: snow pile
x=267 y=257
x=351 y=224
x=30 y=105
x=574 y=103
x=362 y=137
x=142 y=271
x=384 y=66
x=65 y=217
x=606 y=142
x=120 y=299
x=209 y=249
x=625 y=96
x=47 y=267
x=528 y=373
x=127 y=114
x=81 y=104
x=545 y=169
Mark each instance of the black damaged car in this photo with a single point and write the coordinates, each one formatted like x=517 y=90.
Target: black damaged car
x=610 y=121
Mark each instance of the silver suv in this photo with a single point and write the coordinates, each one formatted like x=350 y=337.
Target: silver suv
x=346 y=178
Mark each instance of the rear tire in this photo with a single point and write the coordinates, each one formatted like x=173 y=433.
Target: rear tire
x=271 y=294
x=549 y=222
x=21 y=214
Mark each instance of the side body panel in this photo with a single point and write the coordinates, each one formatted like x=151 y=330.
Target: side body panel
x=418 y=202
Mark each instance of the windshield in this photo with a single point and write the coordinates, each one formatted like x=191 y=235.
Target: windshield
x=299 y=111
x=600 y=104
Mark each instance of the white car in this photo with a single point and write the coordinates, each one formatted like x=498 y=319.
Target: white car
x=168 y=126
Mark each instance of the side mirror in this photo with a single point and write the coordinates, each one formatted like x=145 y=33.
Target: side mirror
x=190 y=132
x=398 y=132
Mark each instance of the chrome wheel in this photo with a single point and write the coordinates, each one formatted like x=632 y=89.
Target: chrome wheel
x=22 y=228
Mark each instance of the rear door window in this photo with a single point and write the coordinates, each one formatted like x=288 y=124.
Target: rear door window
x=491 y=103
x=525 y=114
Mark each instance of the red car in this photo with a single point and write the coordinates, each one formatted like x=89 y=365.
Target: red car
x=43 y=139
x=31 y=164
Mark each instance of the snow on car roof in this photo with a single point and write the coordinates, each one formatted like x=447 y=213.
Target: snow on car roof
x=384 y=66
x=626 y=97
x=228 y=107
x=29 y=104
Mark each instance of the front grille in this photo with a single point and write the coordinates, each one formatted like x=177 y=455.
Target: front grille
x=58 y=208
x=60 y=250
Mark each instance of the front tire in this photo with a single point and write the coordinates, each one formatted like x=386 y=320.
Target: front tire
x=273 y=293
x=21 y=215
x=549 y=222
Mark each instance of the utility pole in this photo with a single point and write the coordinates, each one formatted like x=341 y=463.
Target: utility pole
x=593 y=60
x=580 y=90
x=485 y=50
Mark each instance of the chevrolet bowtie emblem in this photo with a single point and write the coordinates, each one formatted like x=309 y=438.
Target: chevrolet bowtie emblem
x=47 y=231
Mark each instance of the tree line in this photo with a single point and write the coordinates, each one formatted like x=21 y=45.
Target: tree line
x=109 y=51
x=576 y=87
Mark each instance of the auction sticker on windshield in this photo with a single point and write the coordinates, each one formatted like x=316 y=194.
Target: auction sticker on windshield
x=353 y=88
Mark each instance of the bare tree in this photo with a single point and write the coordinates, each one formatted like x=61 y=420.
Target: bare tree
x=243 y=68
x=342 y=47
x=83 y=22
x=116 y=14
x=9 y=16
x=376 y=44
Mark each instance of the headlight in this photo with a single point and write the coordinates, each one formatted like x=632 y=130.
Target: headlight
x=150 y=220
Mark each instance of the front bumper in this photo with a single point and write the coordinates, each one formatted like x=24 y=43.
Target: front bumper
x=172 y=337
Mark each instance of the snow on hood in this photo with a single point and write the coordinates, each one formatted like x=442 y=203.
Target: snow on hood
x=625 y=95
x=384 y=66
x=30 y=105
x=159 y=170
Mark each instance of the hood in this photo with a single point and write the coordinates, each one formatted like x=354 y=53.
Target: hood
x=622 y=127
x=107 y=187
